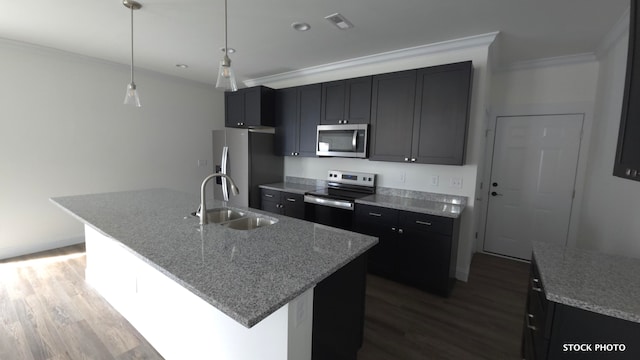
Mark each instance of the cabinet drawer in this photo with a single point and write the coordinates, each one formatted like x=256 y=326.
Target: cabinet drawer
x=270 y=195
x=426 y=222
x=292 y=198
x=376 y=214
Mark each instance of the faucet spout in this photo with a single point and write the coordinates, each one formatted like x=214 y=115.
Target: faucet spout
x=203 y=203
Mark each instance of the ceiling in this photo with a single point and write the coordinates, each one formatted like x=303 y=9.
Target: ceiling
x=170 y=32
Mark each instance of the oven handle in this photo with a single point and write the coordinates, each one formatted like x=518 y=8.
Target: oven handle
x=347 y=205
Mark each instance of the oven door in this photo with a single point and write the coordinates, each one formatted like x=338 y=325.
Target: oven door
x=342 y=140
x=328 y=211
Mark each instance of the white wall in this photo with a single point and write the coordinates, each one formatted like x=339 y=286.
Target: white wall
x=64 y=131
x=609 y=217
x=555 y=86
x=417 y=176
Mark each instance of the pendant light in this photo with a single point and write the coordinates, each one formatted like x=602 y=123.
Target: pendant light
x=131 y=97
x=226 y=75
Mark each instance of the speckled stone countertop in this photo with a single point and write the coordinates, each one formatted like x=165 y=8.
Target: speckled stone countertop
x=451 y=207
x=598 y=282
x=245 y=274
x=295 y=188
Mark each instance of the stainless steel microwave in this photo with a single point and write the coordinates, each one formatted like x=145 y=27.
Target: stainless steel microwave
x=349 y=140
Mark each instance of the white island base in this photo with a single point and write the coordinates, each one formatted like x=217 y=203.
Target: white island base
x=180 y=324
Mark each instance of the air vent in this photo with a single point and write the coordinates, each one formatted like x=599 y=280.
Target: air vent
x=339 y=21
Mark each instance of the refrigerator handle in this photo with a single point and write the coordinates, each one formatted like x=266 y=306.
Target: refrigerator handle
x=225 y=156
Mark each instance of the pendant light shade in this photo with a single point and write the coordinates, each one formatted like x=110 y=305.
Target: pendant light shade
x=131 y=96
x=226 y=75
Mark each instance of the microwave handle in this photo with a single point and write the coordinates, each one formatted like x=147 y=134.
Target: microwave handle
x=354 y=140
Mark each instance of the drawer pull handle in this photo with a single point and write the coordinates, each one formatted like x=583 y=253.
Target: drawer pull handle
x=529 y=326
x=291 y=199
x=268 y=195
x=423 y=222
x=375 y=214
x=534 y=285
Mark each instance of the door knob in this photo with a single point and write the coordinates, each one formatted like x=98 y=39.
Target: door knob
x=493 y=193
x=494 y=184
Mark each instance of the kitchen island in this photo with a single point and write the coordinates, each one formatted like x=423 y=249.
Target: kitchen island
x=209 y=291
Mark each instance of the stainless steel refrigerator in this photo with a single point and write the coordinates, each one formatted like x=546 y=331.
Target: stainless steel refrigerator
x=247 y=157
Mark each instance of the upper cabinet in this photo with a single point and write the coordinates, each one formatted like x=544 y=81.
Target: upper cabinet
x=627 y=162
x=249 y=107
x=297 y=117
x=346 y=101
x=421 y=115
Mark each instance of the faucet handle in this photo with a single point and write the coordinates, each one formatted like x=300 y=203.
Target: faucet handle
x=199 y=211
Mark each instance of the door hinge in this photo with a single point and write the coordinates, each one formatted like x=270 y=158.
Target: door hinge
x=481 y=185
x=573 y=195
x=476 y=234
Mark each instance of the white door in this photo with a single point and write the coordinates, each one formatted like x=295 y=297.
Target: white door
x=532 y=182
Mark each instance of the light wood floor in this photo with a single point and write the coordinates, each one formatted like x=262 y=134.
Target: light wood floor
x=48 y=312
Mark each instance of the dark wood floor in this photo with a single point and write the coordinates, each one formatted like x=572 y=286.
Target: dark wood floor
x=48 y=312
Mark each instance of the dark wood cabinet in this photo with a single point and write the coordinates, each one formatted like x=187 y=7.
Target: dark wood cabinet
x=421 y=115
x=550 y=327
x=338 y=313
x=283 y=203
x=249 y=107
x=441 y=115
x=627 y=161
x=416 y=249
x=346 y=101
x=393 y=98
x=297 y=114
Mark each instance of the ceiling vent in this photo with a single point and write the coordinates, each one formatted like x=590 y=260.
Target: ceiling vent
x=339 y=21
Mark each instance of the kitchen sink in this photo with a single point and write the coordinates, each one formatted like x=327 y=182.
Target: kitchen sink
x=236 y=219
x=221 y=215
x=250 y=222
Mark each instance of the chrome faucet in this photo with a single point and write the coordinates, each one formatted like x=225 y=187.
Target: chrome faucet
x=203 y=204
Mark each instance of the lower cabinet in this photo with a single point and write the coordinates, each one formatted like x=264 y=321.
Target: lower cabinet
x=283 y=203
x=338 y=313
x=413 y=248
x=557 y=331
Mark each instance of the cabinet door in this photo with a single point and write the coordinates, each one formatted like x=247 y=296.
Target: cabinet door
x=286 y=132
x=627 y=161
x=252 y=106
x=442 y=114
x=423 y=259
x=310 y=99
x=234 y=108
x=292 y=205
x=358 y=100
x=333 y=102
x=392 y=103
x=379 y=222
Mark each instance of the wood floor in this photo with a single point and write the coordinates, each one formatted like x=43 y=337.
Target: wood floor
x=48 y=312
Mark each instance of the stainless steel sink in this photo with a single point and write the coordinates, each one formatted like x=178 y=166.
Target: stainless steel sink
x=250 y=222
x=236 y=219
x=221 y=215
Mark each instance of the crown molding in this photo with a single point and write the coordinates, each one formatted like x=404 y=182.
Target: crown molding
x=619 y=29
x=449 y=45
x=551 y=61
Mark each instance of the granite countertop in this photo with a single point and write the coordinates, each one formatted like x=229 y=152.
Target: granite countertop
x=598 y=282
x=291 y=187
x=446 y=208
x=246 y=274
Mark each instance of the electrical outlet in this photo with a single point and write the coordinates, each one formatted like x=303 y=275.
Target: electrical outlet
x=435 y=179
x=202 y=163
x=456 y=182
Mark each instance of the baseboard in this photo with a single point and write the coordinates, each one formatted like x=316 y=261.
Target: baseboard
x=462 y=274
x=13 y=251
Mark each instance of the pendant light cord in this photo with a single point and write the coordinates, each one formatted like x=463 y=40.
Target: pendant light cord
x=131 y=7
x=226 y=46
